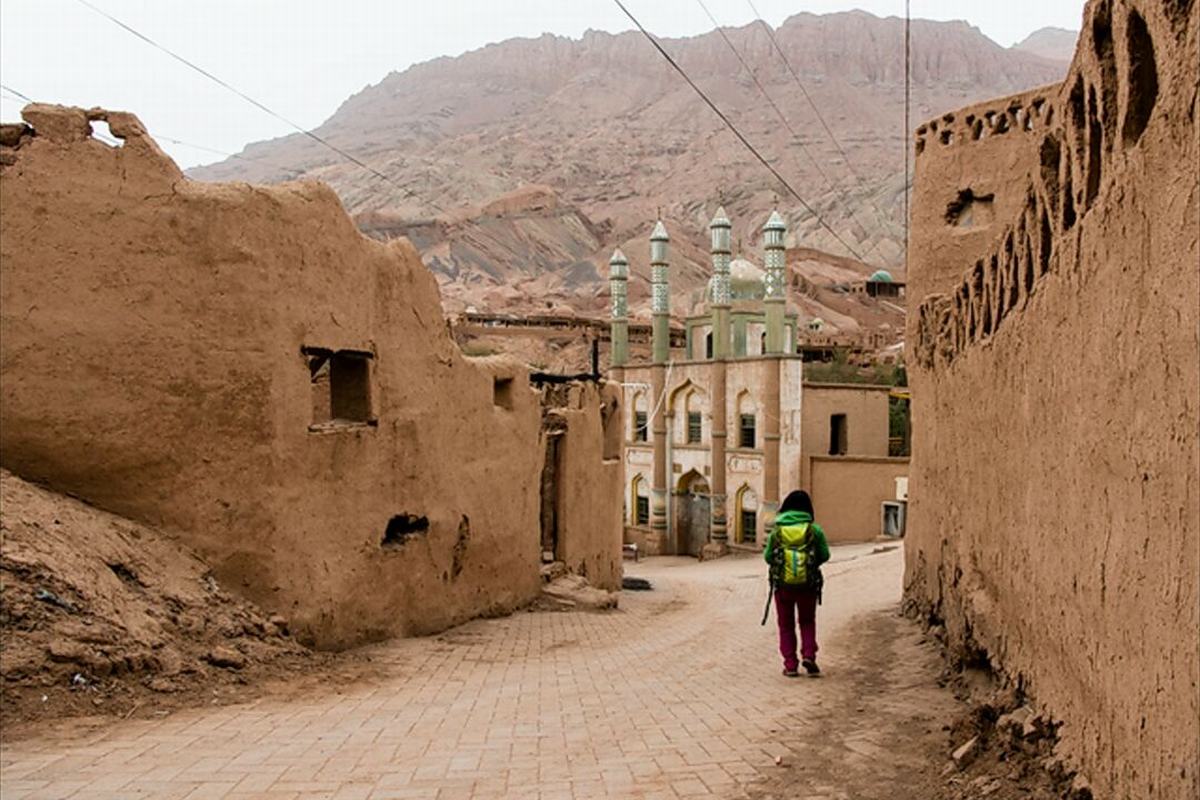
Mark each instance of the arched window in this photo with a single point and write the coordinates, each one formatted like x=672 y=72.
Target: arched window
x=639 y=495
x=687 y=410
x=695 y=418
x=747 y=421
x=639 y=425
x=746 y=519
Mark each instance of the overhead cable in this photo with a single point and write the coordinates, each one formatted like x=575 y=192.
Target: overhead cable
x=736 y=132
x=16 y=94
x=352 y=159
x=782 y=117
x=787 y=62
x=159 y=137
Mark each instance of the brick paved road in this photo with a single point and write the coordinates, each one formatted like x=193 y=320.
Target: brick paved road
x=675 y=695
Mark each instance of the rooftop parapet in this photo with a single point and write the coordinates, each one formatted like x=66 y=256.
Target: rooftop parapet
x=1021 y=113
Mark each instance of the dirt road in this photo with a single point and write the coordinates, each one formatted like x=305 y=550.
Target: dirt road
x=677 y=694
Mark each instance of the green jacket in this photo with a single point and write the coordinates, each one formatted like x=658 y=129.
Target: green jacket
x=796 y=518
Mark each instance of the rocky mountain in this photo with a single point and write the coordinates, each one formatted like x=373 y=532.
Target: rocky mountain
x=525 y=163
x=1053 y=44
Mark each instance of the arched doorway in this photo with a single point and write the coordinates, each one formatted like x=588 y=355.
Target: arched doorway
x=693 y=511
x=746 y=516
x=639 y=504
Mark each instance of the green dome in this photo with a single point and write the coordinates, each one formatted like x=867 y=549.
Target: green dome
x=880 y=276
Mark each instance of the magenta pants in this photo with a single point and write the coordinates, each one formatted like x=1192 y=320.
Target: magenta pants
x=792 y=605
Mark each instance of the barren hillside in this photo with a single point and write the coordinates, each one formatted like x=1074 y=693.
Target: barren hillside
x=1055 y=44
x=529 y=160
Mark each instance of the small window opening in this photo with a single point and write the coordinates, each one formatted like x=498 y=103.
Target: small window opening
x=693 y=427
x=746 y=433
x=402 y=527
x=639 y=426
x=837 y=435
x=643 y=510
x=502 y=393
x=969 y=209
x=708 y=345
x=341 y=387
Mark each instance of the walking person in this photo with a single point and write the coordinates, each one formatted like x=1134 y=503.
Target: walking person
x=795 y=551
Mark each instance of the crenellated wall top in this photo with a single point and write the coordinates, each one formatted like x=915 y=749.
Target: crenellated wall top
x=1024 y=112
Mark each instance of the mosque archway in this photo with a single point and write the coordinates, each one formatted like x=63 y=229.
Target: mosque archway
x=693 y=513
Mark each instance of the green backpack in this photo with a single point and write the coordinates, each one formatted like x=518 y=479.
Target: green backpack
x=794 y=562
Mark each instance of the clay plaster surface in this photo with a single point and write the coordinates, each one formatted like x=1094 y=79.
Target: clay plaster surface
x=151 y=341
x=1054 y=503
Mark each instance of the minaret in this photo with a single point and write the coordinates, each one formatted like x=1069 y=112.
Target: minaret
x=618 y=284
x=720 y=228
x=660 y=298
x=773 y=233
x=721 y=298
x=774 y=282
x=660 y=306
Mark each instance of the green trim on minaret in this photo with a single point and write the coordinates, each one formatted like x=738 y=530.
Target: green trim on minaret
x=618 y=281
x=774 y=282
x=660 y=292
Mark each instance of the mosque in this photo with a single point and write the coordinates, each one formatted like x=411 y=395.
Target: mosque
x=715 y=430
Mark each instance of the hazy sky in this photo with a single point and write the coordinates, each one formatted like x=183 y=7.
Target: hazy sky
x=302 y=58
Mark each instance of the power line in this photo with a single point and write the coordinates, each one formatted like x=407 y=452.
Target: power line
x=255 y=103
x=159 y=137
x=763 y=91
x=782 y=118
x=16 y=94
x=214 y=151
x=734 y=129
x=817 y=111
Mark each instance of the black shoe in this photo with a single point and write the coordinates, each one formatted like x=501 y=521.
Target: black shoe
x=791 y=673
x=810 y=666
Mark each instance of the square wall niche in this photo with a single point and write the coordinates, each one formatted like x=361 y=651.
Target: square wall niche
x=502 y=393
x=340 y=381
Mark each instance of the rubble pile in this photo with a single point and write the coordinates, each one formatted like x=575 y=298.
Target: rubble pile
x=1004 y=749
x=565 y=591
x=95 y=608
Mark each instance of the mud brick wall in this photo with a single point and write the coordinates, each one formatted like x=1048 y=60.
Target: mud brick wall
x=1054 y=497
x=162 y=346
x=587 y=482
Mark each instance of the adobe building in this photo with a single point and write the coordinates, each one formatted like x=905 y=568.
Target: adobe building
x=1054 y=519
x=240 y=367
x=846 y=463
x=719 y=430
x=880 y=283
